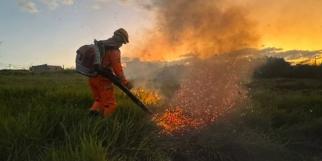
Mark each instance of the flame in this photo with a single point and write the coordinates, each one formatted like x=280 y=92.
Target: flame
x=148 y=96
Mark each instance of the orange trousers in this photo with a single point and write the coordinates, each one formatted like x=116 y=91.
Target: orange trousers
x=103 y=94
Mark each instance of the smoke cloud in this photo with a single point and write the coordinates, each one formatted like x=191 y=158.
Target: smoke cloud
x=203 y=28
x=192 y=30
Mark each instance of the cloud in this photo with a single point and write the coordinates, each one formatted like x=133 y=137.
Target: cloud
x=28 y=6
x=31 y=5
x=96 y=6
x=68 y=2
x=293 y=56
x=99 y=4
x=53 y=4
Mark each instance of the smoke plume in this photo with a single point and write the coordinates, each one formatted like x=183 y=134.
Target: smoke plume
x=203 y=28
x=208 y=88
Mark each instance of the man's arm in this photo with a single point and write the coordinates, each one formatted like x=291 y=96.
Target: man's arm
x=115 y=58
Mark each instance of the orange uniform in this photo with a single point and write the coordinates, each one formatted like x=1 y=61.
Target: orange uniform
x=102 y=88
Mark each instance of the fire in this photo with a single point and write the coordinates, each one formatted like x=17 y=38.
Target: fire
x=210 y=87
x=172 y=120
x=148 y=96
x=176 y=121
x=208 y=91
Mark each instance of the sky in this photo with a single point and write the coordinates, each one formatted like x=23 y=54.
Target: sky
x=36 y=32
x=50 y=31
x=287 y=24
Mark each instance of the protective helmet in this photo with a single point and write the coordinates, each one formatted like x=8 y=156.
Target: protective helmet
x=122 y=34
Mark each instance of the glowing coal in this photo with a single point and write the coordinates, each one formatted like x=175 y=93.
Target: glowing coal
x=175 y=121
x=209 y=89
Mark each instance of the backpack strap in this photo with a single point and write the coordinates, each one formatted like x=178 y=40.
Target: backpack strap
x=99 y=51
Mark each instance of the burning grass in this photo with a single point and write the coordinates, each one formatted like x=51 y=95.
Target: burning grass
x=149 y=97
x=208 y=90
x=176 y=121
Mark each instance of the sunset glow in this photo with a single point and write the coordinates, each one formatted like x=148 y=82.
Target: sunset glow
x=55 y=29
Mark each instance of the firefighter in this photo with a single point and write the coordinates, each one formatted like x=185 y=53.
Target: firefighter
x=101 y=87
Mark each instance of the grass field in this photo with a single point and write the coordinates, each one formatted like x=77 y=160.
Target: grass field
x=290 y=111
x=43 y=117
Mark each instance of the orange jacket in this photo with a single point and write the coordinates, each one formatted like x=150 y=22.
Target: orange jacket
x=112 y=60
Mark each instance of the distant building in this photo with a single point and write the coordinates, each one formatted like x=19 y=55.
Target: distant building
x=45 y=68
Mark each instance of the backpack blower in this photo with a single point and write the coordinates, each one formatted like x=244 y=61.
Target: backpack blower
x=88 y=60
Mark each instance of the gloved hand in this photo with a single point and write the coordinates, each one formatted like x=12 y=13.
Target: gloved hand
x=128 y=85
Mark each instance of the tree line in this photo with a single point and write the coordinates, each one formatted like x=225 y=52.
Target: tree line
x=279 y=68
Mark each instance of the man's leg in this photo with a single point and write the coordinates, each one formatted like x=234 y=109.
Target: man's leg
x=108 y=100
x=95 y=89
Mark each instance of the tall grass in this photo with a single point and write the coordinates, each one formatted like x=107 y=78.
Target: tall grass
x=290 y=112
x=45 y=117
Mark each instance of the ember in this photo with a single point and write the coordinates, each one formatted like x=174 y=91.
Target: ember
x=200 y=102
x=175 y=121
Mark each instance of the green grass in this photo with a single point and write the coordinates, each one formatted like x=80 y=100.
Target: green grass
x=44 y=117
x=290 y=111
